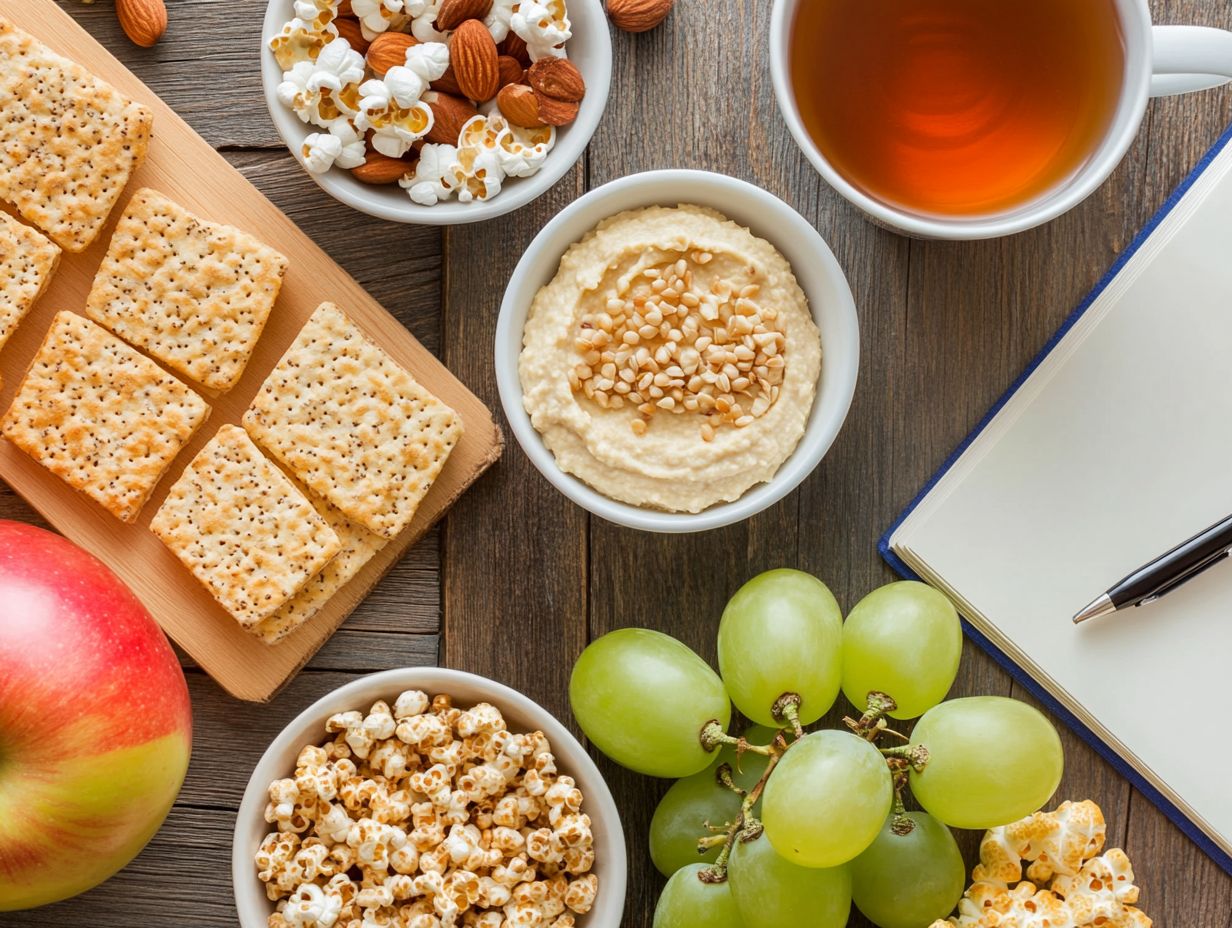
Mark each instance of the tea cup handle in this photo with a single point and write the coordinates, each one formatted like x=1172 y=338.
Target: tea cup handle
x=1190 y=58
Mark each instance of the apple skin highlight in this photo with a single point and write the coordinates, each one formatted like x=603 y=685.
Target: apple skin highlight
x=95 y=720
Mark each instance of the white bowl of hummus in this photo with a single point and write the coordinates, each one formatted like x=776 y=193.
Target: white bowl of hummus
x=677 y=350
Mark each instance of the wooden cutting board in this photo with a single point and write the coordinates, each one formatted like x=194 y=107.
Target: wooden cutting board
x=182 y=165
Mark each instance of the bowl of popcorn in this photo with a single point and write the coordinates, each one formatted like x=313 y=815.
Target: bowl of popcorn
x=436 y=111
x=426 y=797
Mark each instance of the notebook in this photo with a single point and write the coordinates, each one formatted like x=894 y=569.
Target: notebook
x=1115 y=445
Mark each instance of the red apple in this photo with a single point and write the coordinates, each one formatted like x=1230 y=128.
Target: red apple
x=95 y=722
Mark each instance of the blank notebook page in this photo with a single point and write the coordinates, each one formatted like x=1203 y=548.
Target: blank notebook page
x=1116 y=448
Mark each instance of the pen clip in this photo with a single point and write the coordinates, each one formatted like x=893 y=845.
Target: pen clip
x=1185 y=577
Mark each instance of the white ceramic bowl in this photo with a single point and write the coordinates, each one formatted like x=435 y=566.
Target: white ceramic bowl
x=815 y=268
x=590 y=49
x=521 y=713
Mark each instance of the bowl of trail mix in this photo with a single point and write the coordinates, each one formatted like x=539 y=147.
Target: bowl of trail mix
x=427 y=798
x=436 y=111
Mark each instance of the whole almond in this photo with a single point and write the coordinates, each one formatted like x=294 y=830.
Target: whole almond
x=557 y=78
x=555 y=112
x=453 y=13
x=638 y=15
x=381 y=169
x=143 y=21
x=449 y=115
x=520 y=106
x=511 y=70
x=474 y=58
x=348 y=28
x=388 y=50
x=515 y=47
x=447 y=83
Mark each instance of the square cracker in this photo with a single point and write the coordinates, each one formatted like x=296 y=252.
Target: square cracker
x=68 y=141
x=352 y=424
x=242 y=528
x=27 y=261
x=358 y=547
x=100 y=415
x=192 y=293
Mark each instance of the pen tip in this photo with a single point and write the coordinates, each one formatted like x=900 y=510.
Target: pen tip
x=1096 y=608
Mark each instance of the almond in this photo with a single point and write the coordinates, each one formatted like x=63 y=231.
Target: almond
x=557 y=78
x=520 y=106
x=638 y=15
x=515 y=47
x=447 y=83
x=474 y=58
x=449 y=115
x=553 y=112
x=143 y=21
x=344 y=8
x=388 y=50
x=381 y=169
x=453 y=13
x=348 y=28
x=511 y=70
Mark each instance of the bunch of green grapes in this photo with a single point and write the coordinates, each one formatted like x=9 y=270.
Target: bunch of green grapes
x=786 y=825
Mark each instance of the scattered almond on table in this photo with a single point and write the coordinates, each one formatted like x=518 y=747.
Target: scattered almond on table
x=638 y=15
x=143 y=21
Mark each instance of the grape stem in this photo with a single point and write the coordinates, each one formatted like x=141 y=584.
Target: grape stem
x=915 y=755
x=787 y=709
x=713 y=736
x=745 y=827
x=872 y=723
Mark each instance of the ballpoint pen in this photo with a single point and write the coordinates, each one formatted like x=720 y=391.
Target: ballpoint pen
x=1164 y=574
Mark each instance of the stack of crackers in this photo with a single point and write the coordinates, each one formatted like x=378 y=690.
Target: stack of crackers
x=338 y=448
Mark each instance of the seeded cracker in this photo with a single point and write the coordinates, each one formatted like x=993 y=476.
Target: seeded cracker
x=194 y=294
x=358 y=547
x=27 y=261
x=242 y=528
x=352 y=424
x=68 y=142
x=101 y=416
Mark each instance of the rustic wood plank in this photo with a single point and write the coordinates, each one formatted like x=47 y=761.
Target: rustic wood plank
x=206 y=66
x=514 y=599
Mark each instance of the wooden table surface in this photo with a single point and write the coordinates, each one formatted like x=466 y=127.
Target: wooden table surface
x=518 y=579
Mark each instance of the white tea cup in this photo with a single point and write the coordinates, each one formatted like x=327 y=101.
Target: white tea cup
x=1159 y=61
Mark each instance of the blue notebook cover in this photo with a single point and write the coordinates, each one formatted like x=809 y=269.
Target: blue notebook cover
x=1126 y=770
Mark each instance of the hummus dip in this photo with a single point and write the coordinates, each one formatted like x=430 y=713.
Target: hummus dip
x=672 y=362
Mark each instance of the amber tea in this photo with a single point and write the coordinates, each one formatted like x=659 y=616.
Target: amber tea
x=957 y=107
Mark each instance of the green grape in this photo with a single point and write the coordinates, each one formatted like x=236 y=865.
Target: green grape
x=687 y=902
x=772 y=893
x=681 y=816
x=643 y=698
x=782 y=633
x=911 y=880
x=825 y=801
x=904 y=640
x=992 y=760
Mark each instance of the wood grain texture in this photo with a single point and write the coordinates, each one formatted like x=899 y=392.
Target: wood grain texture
x=183 y=166
x=527 y=577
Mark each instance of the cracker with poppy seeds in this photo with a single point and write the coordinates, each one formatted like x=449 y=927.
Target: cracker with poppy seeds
x=359 y=546
x=352 y=424
x=101 y=416
x=192 y=293
x=243 y=529
x=27 y=260
x=68 y=141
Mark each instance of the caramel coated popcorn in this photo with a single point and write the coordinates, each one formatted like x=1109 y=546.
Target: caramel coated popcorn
x=425 y=815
